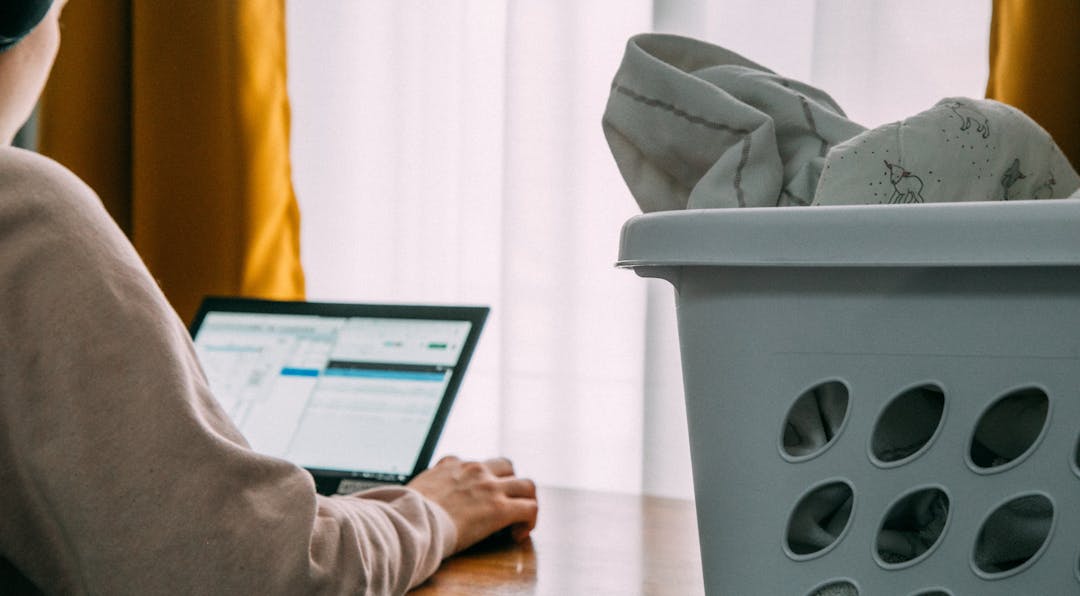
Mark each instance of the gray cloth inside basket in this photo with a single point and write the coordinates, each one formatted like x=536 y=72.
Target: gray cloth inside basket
x=815 y=419
x=1003 y=433
x=1017 y=532
x=844 y=589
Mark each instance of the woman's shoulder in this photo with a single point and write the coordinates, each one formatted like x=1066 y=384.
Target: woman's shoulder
x=47 y=212
x=34 y=188
x=32 y=174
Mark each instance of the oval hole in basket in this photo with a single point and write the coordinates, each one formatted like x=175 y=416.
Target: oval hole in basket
x=1076 y=457
x=836 y=588
x=935 y=592
x=815 y=419
x=908 y=423
x=819 y=519
x=1009 y=428
x=913 y=526
x=1013 y=535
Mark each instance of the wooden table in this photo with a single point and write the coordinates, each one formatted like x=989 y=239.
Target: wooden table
x=586 y=543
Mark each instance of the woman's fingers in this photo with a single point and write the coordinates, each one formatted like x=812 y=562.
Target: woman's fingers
x=500 y=466
x=519 y=488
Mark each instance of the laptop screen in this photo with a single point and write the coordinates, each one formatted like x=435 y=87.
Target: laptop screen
x=353 y=394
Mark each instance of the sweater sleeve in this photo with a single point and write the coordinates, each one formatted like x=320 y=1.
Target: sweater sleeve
x=121 y=473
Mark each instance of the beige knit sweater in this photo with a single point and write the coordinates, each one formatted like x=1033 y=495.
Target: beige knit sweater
x=119 y=473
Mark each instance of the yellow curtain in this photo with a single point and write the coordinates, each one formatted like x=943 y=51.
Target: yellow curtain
x=177 y=114
x=1035 y=65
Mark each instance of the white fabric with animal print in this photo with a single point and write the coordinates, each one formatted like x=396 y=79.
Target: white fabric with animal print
x=959 y=150
x=692 y=125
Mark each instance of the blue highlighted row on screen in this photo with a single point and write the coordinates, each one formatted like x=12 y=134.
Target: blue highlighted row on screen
x=299 y=372
x=365 y=373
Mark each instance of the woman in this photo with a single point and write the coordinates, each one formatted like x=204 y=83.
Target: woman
x=120 y=473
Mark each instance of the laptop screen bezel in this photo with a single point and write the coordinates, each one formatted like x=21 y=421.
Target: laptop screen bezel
x=327 y=481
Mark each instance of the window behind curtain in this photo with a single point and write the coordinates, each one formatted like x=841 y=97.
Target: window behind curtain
x=451 y=152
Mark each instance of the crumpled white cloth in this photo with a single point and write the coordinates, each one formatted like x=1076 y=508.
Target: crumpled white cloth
x=693 y=125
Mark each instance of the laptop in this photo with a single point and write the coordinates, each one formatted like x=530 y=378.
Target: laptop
x=357 y=394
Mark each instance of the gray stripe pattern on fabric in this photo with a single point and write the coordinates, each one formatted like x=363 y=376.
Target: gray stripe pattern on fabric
x=745 y=157
x=813 y=125
x=656 y=103
x=680 y=113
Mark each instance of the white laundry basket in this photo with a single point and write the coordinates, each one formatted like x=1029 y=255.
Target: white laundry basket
x=978 y=302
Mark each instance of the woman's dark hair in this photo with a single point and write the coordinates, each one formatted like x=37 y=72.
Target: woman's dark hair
x=19 y=17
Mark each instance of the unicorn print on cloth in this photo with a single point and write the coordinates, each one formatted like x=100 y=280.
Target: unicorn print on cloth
x=693 y=125
x=969 y=116
x=1046 y=189
x=907 y=187
x=1010 y=178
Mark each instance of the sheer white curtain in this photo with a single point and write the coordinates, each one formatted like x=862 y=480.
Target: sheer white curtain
x=451 y=152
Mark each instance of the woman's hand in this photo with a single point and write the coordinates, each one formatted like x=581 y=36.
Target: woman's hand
x=481 y=497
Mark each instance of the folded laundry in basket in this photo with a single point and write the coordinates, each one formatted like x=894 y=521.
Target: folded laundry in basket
x=693 y=125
